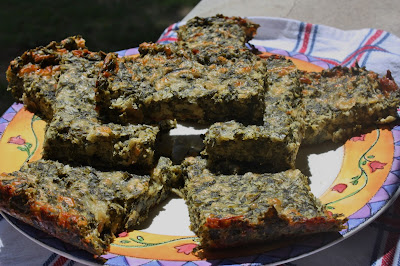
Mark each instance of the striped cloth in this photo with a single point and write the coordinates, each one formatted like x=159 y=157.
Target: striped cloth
x=377 y=50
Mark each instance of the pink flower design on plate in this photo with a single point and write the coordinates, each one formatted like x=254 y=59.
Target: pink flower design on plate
x=375 y=165
x=339 y=188
x=186 y=248
x=17 y=140
x=358 y=138
x=22 y=145
x=123 y=234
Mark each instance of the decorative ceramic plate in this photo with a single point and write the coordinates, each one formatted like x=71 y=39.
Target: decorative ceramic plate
x=359 y=179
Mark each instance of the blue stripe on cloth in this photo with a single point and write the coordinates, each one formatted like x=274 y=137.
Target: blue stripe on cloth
x=314 y=36
x=299 y=36
x=370 y=32
x=70 y=263
x=50 y=259
x=364 y=62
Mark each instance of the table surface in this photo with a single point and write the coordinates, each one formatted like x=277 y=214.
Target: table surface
x=342 y=14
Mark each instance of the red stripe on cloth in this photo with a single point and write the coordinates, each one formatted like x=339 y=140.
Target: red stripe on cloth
x=358 y=52
x=306 y=39
x=329 y=61
x=390 y=249
x=373 y=38
x=170 y=27
x=172 y=39
x=60 y=261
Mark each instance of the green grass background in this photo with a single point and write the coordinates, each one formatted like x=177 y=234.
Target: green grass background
x=107 y=25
